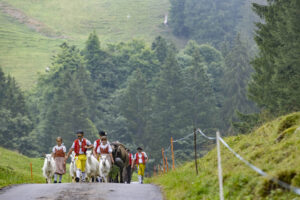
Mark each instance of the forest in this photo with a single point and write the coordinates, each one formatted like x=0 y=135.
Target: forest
x=226 y=78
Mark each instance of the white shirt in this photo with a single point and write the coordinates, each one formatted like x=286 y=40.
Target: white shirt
x=102 y=146
x=95 y=143
x=88 y=143
x=140 y=157
x=59 y=148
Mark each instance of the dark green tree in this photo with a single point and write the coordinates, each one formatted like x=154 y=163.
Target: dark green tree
x=15 y=123
x=200 y=101
x=207 y=21
x=135 y=104
x=64 y=103
x=276 y=79
x=236 y=78
x=160 y=47
x=177 y=18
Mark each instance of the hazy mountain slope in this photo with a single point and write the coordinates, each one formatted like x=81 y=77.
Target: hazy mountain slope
x=31 y=30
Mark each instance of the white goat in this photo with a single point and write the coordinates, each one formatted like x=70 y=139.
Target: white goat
x=104 y=167
x=73 y=167
x=48 y=168
x=91 y=166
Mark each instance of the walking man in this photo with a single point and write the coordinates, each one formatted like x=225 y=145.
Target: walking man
x=80 y=146
x=140 y=159
x=128 y=169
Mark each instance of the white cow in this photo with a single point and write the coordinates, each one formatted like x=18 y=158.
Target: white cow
x=91 y=166
x=73 y=167
x=48 y=168
x=104 y=167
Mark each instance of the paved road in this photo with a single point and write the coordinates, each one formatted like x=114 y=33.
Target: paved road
x=82 y=191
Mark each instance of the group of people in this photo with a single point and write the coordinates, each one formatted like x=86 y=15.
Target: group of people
x=100 y=146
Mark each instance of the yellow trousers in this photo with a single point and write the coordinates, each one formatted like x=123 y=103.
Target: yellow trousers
x=141 y=169
x=80 y=162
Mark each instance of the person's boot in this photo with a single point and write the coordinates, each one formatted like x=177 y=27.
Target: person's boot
x=77 y=179
x=55 y=182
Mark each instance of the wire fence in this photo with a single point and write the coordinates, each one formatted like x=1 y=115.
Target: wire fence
x=219 y=140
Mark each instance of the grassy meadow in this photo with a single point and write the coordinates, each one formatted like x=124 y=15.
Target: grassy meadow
x=25 y=51
x=15 y=169
x=273 y=147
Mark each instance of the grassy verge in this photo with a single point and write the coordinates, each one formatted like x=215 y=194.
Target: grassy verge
x=274 y=147
x=15 y=169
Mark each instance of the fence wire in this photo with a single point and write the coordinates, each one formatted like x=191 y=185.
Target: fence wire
x=253 y=167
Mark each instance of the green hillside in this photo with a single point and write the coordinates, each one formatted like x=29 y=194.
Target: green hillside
x=273 y=147
x=32 y=30
x=15 y=169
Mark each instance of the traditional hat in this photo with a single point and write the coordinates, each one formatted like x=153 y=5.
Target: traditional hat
x=79 y=131
x=102 y=133
x=139 y=148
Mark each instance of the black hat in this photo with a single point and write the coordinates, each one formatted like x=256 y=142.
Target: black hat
x=102 y=133
x=139 y=148
x=79 y=132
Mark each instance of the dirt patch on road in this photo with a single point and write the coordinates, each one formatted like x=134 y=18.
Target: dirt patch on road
x=30 y=22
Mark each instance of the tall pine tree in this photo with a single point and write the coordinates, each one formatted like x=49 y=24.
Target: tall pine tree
x=276 y=79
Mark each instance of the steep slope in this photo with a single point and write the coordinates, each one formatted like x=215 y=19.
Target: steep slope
x=32 y=30
x=273 y=147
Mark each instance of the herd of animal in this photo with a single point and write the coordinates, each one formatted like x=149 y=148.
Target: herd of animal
x=94 y=168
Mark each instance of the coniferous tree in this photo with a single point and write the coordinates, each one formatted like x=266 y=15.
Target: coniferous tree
x=201 y=108
x=177 y=18
x=134 y=107
x=236 y=78
x=276 y=79
x=15 y=123
x=160 y=47
x=65 y=105
x=206 y=21
x=167 y=105
x=213 y=62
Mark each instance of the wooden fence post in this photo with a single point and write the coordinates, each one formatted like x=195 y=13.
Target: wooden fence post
x=195 y=148
x=159 y=170
x=31 y=172
x=154 y=171
x=163 y=156
x=173 y=159
x=167 y=164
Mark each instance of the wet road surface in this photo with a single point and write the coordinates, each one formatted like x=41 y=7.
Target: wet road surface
x=82 y=191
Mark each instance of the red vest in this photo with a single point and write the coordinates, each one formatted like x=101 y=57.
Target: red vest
x=130 y=158
x=97 y=144
x=104 y=151
x=137 y=158
x=59 y=153
x=77 y=146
